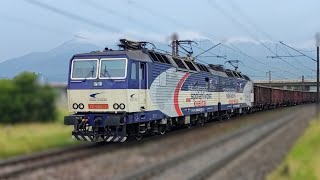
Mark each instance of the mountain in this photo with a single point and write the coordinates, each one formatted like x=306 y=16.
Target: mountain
x=53 y=65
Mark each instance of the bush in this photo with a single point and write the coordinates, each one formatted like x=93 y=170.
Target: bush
x=23 y=99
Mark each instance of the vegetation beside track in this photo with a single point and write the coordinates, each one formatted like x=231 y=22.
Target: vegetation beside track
x=303 y=161
x=25 y=138
x=24 y=99
x=29 y=119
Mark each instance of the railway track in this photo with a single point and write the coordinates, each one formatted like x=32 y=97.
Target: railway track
x=17 y=166
x=206 y=159
x=14 y=167
x=23 y=165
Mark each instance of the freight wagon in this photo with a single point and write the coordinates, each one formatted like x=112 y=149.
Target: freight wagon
x=267 y=97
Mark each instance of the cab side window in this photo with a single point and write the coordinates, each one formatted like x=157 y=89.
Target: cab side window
x=134 y=71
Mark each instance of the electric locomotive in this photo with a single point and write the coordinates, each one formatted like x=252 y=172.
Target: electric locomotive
x=136 y=91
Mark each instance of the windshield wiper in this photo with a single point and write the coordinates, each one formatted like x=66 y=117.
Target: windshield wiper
x=105 y=71
x=88 y=75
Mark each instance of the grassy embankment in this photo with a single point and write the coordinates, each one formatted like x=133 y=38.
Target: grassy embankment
x=27 y=138
x=303 y=161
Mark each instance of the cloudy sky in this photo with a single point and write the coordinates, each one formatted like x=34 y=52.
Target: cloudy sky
x=29 y=26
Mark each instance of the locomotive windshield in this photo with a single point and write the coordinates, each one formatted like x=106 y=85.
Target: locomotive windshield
x=84 y=69
x=113 y=68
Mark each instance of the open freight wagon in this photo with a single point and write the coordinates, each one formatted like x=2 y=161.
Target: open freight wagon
x=267 y=97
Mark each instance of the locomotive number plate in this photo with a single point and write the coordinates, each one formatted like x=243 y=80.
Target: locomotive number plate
x=98 y=106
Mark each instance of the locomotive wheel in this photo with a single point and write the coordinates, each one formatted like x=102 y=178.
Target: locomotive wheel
x=201 y=122
x=162 y=130
x=189 y=125
x=139 y=137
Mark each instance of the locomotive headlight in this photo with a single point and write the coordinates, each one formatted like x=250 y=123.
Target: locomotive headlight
x=95 y=84
x=115 y=106
x=100 y=83
x=75 y=106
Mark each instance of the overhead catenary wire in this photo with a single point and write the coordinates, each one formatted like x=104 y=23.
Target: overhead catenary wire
x=254 y=59
x=75 y=17
x=50 y=29
x=258 y=29
x=250 y=57
x=169 y=19
x=253 y=24
x=216 y=6
x=174 y=22
x=283 y=60
x=207 y=50
x=30 y=23
x=67 y=14
x=298 y=51
x=215 y=55
x=105 y=9
x=299 y=61
x=225 y=58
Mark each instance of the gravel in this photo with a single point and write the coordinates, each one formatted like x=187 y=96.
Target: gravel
x=259 y=161
x=151 y=151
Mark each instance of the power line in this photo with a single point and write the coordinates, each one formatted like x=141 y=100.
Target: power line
x=298 y=51
x=252 y=58
x=298 y=60
x=249 y=20
x=253 y=24
x=40 y=26
x=207 y=50
x=255 y=59
x=239 y=51
x=105 y=9
x=173 y=21
x=33 y=24
x=214 y=5
x=283 y=59
x=70 y=15
x=258 y=70
x=216 y=55
x=73 y=16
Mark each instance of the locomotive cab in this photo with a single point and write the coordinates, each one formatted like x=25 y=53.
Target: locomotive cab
x=106 y=84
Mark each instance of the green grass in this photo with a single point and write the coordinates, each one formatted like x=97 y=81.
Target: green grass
x=303 y=161
x=28 y=138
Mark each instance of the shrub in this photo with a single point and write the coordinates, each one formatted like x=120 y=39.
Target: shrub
x=23 y=99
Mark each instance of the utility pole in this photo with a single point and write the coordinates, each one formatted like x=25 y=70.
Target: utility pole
x=175 y=44
x=318 y=42
x=302 y=79
x=269 y=73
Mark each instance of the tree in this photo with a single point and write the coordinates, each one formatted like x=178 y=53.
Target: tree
x=23 y=99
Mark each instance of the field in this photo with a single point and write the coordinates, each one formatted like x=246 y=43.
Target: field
x=303 y=161
x=27 y=138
